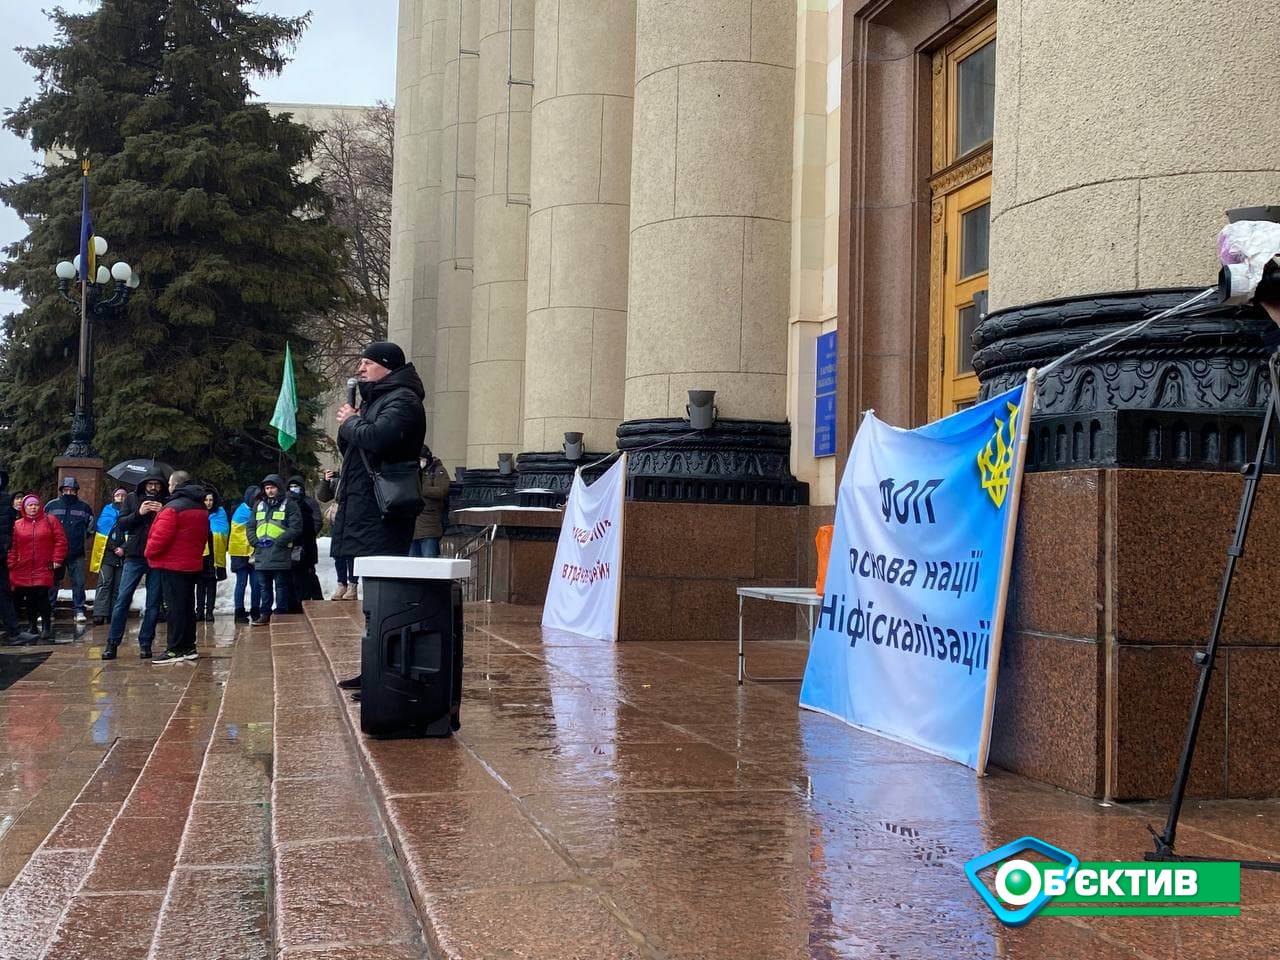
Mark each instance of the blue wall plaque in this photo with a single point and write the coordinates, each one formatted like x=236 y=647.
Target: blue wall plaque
x=824 y=406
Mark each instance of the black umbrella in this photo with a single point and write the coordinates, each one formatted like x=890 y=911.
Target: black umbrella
x=132 y=471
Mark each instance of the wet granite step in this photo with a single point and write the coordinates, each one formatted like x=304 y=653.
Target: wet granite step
x=31 y=907
x=216 y=903
x=93 y=887
x=61 y=711
x=486 y=879
x=338 y=889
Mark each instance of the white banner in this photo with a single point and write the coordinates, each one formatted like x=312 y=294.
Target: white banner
x=586 y=580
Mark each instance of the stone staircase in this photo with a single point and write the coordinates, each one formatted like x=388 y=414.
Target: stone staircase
x=339 y=892
x=96 y=885
x=244 y=830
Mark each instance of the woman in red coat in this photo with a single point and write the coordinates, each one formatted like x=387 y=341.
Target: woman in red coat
x=39 y=545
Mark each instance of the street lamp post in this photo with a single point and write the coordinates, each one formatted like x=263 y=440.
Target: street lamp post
x=99 y=297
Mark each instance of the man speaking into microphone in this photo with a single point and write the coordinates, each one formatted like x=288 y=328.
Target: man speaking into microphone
x=388 y=429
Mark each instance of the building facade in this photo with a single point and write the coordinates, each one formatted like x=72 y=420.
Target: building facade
x=603 y=204
x=640 y=198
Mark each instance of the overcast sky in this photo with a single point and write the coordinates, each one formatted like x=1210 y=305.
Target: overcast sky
x=347 y=56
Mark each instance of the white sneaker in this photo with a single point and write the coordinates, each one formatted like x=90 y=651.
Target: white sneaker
x=80 y=617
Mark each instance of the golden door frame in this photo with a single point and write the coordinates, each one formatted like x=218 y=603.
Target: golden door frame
x=950 y=174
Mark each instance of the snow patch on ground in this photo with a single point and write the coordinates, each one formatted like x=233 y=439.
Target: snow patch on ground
x=225 y=600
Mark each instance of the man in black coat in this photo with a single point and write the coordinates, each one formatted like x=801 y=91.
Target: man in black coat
x=136 y=516
x=305 y=583
x=389 y=427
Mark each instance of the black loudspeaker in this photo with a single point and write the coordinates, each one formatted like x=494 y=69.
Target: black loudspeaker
x=411 y=657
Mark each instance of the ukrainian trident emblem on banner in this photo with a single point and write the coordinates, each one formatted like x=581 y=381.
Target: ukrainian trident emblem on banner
x=995 y=460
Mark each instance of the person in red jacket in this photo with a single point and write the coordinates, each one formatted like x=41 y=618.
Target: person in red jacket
x=175 y=547
x=39 y=545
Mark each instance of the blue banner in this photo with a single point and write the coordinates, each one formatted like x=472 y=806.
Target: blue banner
x=903 y=639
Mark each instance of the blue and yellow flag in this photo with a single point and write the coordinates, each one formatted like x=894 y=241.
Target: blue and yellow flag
x=221 y=531
x=102 y=530
x=88 y=256
x=238 y=543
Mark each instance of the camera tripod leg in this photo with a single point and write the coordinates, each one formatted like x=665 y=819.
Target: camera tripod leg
x=1207 y=657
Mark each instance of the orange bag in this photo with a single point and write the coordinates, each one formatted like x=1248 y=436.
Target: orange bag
x=823 y=542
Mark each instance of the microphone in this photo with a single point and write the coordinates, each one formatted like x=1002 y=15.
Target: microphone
x=352 y=384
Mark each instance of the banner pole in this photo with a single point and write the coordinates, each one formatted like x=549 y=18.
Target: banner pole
x=1006 y=569
x=622 y=551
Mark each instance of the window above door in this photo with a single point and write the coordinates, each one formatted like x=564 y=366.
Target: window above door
x=960 y=188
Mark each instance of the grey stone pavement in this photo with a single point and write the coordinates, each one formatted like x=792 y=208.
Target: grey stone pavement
x=600 y=801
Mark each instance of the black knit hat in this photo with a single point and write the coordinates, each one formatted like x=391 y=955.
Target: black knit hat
x=386 y=353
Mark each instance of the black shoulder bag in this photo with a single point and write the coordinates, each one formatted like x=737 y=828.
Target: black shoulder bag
x=396 y=488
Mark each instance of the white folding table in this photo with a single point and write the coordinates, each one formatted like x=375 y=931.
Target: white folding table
x=803 y=596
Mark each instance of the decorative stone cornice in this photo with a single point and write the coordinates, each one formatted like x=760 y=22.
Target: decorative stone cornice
x=479 y=487
x=551 y=471
x=735 y=462
x=1186 y=392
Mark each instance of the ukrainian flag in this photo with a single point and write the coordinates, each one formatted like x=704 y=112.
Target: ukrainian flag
x=102 y=530
x=88 y=252
x=238 y=543
x=221 y=530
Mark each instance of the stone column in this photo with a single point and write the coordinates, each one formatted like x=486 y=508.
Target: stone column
x=415 y=194
x=1119 y=146
x=815 y=230
x=457 y=189
x=580 y=189
x=407 y=147
x=711 y=207
x=498 y=300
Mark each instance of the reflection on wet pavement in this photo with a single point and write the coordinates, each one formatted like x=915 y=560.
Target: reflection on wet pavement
x=601 y=801
x=632 y=800
x=60 y=716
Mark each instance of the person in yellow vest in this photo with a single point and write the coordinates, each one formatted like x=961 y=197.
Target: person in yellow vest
x=277 y=525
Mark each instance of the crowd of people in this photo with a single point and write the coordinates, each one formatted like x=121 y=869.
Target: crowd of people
x=175 y=538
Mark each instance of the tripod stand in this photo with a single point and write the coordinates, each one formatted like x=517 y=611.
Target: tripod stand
x=1205 y=658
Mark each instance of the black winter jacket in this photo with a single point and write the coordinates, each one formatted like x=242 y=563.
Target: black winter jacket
x=312 y=522
x=76 y=518
x=390 y=428
x=7 y=516
x=136 y=525
x=116 y=539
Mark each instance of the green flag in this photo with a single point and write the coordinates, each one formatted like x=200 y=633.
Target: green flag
x=285 y=419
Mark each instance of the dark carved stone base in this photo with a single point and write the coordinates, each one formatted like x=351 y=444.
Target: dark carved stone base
x=1149 y=439
x=540 y=480
x=551 y=471
x=528 y=534
x=1185 y=393
x=735 y=462
x=479 y=488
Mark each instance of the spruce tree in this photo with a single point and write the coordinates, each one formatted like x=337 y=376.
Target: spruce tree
x=198 y=189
